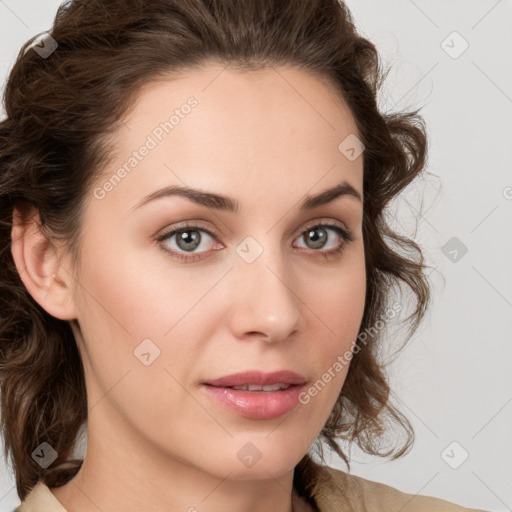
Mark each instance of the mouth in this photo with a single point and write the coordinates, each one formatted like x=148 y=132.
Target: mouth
x=257 y=402
x=256 y=380
x=255 y=388
x=256 y=394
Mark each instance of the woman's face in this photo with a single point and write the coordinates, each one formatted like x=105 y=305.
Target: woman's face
x=260 y=287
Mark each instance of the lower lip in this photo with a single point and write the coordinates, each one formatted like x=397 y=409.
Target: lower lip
x=258 y=405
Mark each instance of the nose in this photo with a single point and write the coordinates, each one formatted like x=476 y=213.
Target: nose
x=264 y=302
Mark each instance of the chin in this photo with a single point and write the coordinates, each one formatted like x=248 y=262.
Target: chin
x=262 y=468
x=259 y=471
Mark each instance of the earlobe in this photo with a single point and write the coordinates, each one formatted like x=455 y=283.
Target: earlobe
x=39 y=264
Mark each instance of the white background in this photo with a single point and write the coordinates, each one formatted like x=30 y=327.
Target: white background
x=453 y=380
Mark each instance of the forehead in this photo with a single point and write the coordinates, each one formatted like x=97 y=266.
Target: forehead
x=274 y=127
x=260 y=96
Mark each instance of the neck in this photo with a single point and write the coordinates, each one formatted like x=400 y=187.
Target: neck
x=115 y=479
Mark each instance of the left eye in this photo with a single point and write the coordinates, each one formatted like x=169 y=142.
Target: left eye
x=319 y=240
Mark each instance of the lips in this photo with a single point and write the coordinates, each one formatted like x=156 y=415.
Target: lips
x=258 y=378
x=265 y=404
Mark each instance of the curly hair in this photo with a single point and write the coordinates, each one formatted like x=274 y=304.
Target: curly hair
x=53 y=144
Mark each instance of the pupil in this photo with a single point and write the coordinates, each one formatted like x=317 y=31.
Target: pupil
x=185 y=238
x=318 y=241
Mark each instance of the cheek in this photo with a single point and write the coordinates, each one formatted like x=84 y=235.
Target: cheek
x=341 y=301
x=130 y=307
x=125 y=313
x=134 y=295
x=341 y=306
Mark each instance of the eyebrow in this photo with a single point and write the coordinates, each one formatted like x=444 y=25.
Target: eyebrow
x=219 y=202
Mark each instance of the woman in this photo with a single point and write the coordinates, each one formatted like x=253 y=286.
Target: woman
x=204 y=374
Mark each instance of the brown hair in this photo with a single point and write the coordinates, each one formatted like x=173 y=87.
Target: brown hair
x=53 y=145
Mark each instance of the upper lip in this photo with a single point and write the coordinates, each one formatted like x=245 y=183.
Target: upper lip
x=258 y=378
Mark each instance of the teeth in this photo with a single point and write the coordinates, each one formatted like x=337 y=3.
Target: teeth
x=255 y=387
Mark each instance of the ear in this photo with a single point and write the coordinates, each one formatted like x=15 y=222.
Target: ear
x=40 y=263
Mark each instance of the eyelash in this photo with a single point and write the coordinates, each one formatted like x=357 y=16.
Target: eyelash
x=345 y=234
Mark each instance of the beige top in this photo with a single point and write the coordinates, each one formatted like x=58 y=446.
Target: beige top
x=326 y=488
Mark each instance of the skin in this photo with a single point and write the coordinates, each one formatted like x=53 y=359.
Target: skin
x=156 y=441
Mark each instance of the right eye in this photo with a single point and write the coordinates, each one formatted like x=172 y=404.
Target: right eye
x=185 y=240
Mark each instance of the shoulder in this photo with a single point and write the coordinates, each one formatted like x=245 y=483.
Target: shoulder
x=377 y=496
x=334 y=490
x=40 y=499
